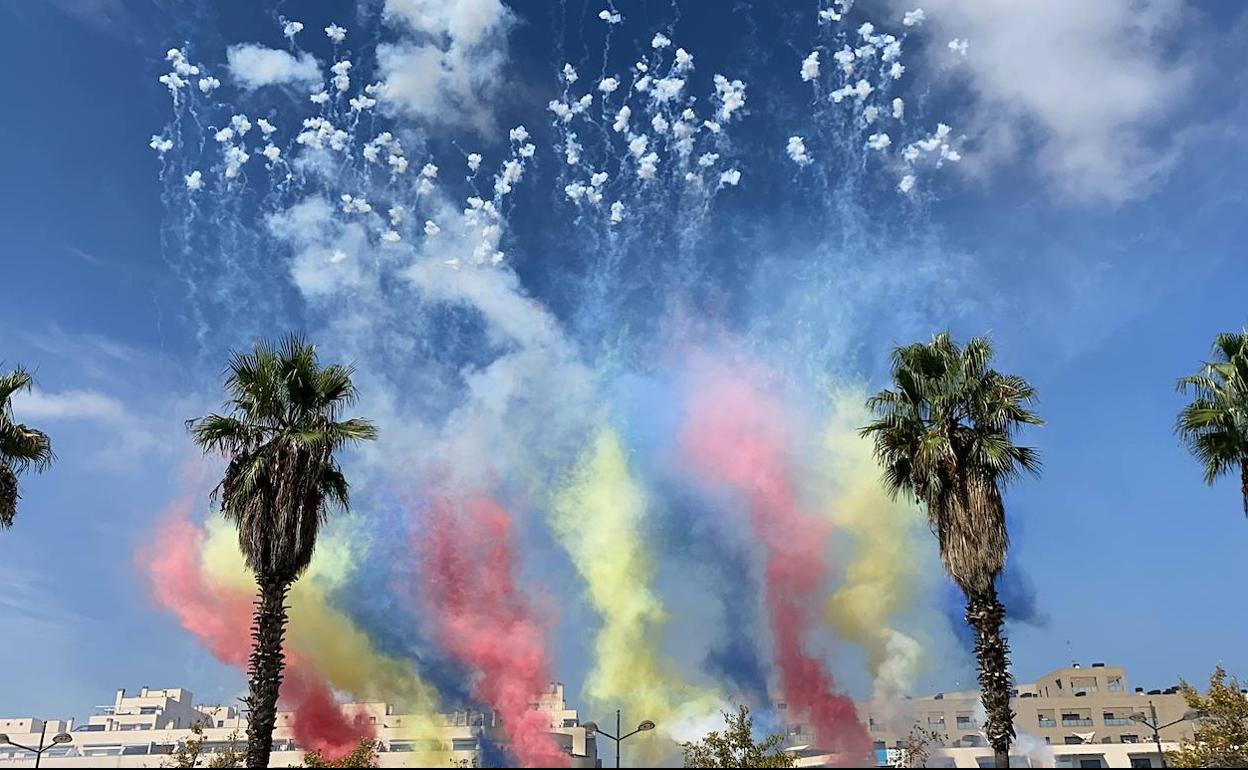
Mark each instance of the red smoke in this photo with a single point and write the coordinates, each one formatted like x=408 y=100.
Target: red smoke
x=220 y=617
x=735 y=435
x=485 y=621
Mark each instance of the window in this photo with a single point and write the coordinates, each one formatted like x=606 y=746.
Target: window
x=1093 y=762
x=149 y=710
x=1114 y=684
x=873 y=725
x=781 y=706
x=1130 y=738
x=463 y=744
x=1073 y=740
x=220 y=723
x=1141 y=761
x=795 y=729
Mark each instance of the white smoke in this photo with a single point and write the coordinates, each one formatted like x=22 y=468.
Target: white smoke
x=255 y=66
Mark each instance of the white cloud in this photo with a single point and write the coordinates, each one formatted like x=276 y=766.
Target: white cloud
x=67 y=405
x=1081 y=87
x=254 y=66
x=451 y=62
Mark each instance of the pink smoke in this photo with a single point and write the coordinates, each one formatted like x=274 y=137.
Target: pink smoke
x=220 y=617
x=485 y=621
x=735 y=435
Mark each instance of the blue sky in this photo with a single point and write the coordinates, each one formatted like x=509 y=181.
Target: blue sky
x=1094 y=228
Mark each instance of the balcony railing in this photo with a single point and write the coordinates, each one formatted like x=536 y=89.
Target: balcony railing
x=1047 y=722
x=1118 y=722
x=1076 y=723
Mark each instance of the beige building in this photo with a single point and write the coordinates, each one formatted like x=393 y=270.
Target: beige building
x=143 y=730
x=1071 y=717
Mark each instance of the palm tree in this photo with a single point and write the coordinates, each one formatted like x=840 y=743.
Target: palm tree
x=1215 y=424
x=944 y=436
x=281 y=434
x=21 y=447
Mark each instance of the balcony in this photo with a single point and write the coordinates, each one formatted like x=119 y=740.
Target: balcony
x=1118 y=722
x=1047 y=722
x=1076 y=722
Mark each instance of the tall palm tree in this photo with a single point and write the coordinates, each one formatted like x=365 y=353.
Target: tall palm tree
x=1215 y=424
x=281 y=433
x=944 y=436
x=21 y=447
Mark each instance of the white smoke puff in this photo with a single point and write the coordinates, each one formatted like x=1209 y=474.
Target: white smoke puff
x=224 y=135
x=958 y=46
x=342 y=79
x=810 y=67
x=574 y=191
x=527 y=151
x=569 y=74
x=731 y=94
x=292 y=28
x=430 y=171
x=660 y=41
x=519 y=134
x=897 y=70
x=583 y=103
x=863 y=89
x=911 y=153
x=642 y=67
x=396 y=215
x=610 y=17
x=398 y=163
x=173 y=82
x=871 y=113
x=879 y=141
x=949 y=154
x=796 y=149
x=845 y=57
x=598 y=179
x=914 y=18
x=866 y=30
x=209 y=84
x=572 y=150
x=898 y=672
x=335 y=33
x=621 y=119
x=254 y=66
x=272 y=153
x=617 y=213
x=648 y=166
x=513 y=170
x=637 y=145
x=474 y=161
x=338 y=256
x=643 y=85
x=906 y=184
x=899 y=108
x=828 y=15
x=320 y=97
x=561 y=110
x=892 y=51
x=730 y=177
x=711 y=126
x=608 y=85
x=361 y=103
x=708 y=160
x=371 y=153
x=431 y=229
x=235 y=157
x=241 y=124
x=424 y=188
x=865 y=52
x=160 y=144
x=194 y=180
x=659 y=124
x=266 y=128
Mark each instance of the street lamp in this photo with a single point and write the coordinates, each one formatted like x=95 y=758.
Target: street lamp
x=57 y=739
x=1138 y=716
x=591 y=728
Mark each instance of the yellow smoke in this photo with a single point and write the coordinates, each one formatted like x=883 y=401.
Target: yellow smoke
x=330 y=640
x=597 y=516
x=883 y=573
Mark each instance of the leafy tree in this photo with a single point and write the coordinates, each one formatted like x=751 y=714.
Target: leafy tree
x=188 y=752
x=21 y=447
x=944 y=436
x=281 y=434
x=1221 y=734
x=916 y=749
x=735 y=746
x=363 y=755
x=1214 y=426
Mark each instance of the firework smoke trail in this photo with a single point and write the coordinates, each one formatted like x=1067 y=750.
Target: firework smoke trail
x=598 y=516
x=483 y=619
x=883 y=574
x=735 y=435
x=220 y=616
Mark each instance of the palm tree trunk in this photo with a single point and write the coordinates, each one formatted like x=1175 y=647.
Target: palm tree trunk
x=985 y=614
x=1243 y=482
x=267 y=662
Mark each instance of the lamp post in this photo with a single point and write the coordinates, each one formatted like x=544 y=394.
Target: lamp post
x=591 y=728
x=1156 y=728
x=57 y=740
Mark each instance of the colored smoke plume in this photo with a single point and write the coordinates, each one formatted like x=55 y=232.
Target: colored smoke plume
x=467 y=567
x=736 y=435
x=598 y=517
x=219 y=615
x=883 y=573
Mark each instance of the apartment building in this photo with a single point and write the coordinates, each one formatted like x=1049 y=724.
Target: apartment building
x=143 y=730
x=1071 y=717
